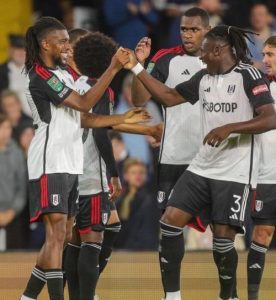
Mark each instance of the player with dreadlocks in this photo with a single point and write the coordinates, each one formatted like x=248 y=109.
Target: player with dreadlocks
x=235 y=104
x=55 y=156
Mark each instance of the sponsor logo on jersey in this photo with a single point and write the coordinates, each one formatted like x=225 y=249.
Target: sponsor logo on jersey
x=185 y=72
x=161 y=196
x=55 y=83
x=55 y=199
x=259 y=89
x=150 y=67
x=259 y=205
x=63 y=92
x=104 y=218
x=231 y=89
x=220 y=106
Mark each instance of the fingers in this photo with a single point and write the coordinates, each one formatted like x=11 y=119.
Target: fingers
x=212 y=139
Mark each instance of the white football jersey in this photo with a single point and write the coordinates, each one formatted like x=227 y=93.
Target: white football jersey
x=267 y=168
x=181 y=136
x=228 y=98
x=57 y=143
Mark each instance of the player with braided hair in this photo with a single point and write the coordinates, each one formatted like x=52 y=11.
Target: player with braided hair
x=55 y=156
x=235 y=104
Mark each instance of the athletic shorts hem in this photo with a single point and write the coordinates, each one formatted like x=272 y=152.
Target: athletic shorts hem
x=258 y=221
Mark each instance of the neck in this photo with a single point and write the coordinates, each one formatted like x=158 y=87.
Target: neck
x=228 y=63
x=47 y=61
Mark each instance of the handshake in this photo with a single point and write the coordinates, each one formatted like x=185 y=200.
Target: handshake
x=129 y=59
x=124 y=58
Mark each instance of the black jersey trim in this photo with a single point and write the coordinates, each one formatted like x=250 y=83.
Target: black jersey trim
x=100 y=163
x=251 y=158
x=45 y=148
x=164 y=133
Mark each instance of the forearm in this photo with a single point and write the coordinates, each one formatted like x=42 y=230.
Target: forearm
x=106 y=151
x=95 y=93
x=140 y=95
x=257 y=125
x=89 y=120
x=160 y=92
x=134 y=128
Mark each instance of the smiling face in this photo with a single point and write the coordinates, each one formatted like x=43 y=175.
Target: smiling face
x=192 y=31
x=56 y=44
x=269 y=59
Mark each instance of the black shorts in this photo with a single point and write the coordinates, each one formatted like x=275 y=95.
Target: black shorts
x=167 y=178
x=53 y=193
x=225 y=201
x=263 y=205
x=94 y=212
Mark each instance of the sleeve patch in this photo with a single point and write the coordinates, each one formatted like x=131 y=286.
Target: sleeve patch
x=259 y=89
x=55 y=84
x=150 y=67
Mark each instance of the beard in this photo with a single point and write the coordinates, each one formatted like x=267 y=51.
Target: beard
x=58 y=61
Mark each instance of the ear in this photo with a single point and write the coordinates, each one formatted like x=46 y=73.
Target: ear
x=217 y=50
x=44 y=45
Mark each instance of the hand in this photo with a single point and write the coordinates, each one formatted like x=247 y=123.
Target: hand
x=217 y=135
x=156 y=133
x=152 y=141
x=116 y=188
x=119 y=59
x=136 y=115
x=132 y=60
x=6 y=217
x=142 y=50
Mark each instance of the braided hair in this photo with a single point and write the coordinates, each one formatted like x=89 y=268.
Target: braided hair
x=34 y=35
x=237 y=39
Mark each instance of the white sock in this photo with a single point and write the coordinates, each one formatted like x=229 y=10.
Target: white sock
x=26 y=298
x=173 y=296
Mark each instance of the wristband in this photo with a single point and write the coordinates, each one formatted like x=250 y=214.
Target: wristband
x=137 y=69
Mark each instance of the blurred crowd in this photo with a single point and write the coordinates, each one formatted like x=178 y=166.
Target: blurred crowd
x=127 y=21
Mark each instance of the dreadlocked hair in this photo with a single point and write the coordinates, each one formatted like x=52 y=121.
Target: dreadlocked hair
x=34 y=35
x=237 y=39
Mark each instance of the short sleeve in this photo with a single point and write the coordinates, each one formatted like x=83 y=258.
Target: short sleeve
x=51 y=89
x=189 y=90
x=256 y=86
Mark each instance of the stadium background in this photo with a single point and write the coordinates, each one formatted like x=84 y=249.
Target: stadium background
x=133 y=272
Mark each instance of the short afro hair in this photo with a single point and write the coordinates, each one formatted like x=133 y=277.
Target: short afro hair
x=93 y=53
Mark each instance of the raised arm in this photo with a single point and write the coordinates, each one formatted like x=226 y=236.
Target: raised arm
x=85 y=102
x=140 y=95
x=160 y=92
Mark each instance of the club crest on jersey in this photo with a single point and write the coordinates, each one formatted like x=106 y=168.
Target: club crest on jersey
x=231 y=89
x=259 y=205
x=104 y=218
x=55 y=199
x=161 y=196
x=150 y=67
x=55 y=83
